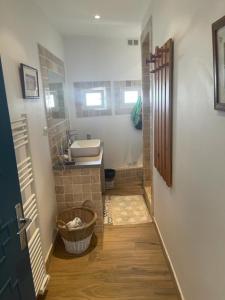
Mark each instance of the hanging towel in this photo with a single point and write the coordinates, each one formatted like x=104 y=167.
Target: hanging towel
x=136 y=114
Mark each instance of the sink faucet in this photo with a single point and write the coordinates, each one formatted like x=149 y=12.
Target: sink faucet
x=71 y=136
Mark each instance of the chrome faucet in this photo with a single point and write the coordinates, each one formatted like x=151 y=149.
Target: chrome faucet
x=71 y=136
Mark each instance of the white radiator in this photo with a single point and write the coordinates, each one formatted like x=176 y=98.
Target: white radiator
x=27 y=187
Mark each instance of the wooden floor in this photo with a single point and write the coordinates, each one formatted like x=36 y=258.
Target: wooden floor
x=126 y=189
x=127 y=263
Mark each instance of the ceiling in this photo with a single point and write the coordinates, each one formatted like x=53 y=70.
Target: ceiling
x=119 y=18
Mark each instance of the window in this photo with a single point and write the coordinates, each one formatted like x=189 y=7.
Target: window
x=50 y=99
x=93 y=99
x=126 y=94
x=130 y=97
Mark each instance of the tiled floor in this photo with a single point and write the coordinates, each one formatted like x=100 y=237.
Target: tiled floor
x=125 y=210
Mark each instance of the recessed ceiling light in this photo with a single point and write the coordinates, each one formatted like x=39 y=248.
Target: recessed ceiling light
x=97 y=17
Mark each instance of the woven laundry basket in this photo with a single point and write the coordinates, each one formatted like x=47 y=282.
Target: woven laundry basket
x=77 y=240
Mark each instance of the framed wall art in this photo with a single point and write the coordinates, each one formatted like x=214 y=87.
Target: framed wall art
x=29 y=82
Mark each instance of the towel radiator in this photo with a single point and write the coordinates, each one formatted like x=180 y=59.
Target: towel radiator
x=20 y=134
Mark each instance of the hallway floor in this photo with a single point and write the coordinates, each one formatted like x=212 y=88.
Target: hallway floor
x=127 y=264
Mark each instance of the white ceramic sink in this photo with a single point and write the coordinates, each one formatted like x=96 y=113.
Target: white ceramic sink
x=85 y=148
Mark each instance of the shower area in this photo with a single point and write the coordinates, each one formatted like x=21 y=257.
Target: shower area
x=132 y=196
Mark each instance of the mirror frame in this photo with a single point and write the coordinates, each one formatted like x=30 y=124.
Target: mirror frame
x=215 y=27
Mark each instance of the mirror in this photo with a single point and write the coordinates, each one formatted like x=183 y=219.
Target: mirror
x=53 y=78
x=218 y=31
x=55 y=104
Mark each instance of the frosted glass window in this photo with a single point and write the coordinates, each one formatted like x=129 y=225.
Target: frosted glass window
x=94 y=99
x=130 y=97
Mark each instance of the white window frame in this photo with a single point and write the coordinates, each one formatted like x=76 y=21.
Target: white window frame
x=102 y=91
x=127 y=89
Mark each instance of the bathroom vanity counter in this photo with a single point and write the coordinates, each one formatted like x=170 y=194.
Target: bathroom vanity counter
x=83 y=162
x=74 y=184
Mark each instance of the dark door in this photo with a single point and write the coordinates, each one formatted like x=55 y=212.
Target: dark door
x=15 y=272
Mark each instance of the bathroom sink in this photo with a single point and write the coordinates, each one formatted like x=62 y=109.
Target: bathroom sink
x=85 y=148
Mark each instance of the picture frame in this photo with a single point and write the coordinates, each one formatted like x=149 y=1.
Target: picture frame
x=29 y=82
x=218 y=38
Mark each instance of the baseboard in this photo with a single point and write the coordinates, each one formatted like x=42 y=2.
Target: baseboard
x=169 y=261
x=50 y=251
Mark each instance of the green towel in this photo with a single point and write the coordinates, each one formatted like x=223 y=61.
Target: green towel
x=136 y=114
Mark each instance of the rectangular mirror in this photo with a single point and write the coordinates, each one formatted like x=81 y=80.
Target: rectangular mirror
x=53 y=78
x=55 y=104
x=218 y=34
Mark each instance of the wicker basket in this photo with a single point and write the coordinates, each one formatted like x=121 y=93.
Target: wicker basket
x=77 y=240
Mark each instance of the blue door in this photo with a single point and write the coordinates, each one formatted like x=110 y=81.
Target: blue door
x=15 y=272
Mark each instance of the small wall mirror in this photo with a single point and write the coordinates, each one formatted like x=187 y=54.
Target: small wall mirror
x=218 y=32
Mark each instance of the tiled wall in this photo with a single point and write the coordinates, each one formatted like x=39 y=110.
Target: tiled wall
x=81 y=110
x=129 y=176
x=114 y=101
x=147 y=113
x=56 y=127
x=75 y=186
x=57 y=138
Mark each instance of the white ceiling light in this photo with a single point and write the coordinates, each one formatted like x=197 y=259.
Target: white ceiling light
x=97 y=17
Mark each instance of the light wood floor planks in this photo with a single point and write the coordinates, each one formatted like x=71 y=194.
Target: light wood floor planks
x=127 y=264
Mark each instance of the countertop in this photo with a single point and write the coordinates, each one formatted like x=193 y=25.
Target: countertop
x=82 y=162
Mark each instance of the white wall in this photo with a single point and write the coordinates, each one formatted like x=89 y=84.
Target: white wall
x=22 y=26
x=93 y=59
x=191 y=214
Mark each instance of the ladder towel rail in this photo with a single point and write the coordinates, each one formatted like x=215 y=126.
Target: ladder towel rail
x=20 y=133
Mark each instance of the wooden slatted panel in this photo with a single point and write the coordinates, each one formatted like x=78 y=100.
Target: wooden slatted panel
x=156 y=117
x=163 y=70
x=169 y=111
x=159 y=71
x=163 y=99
